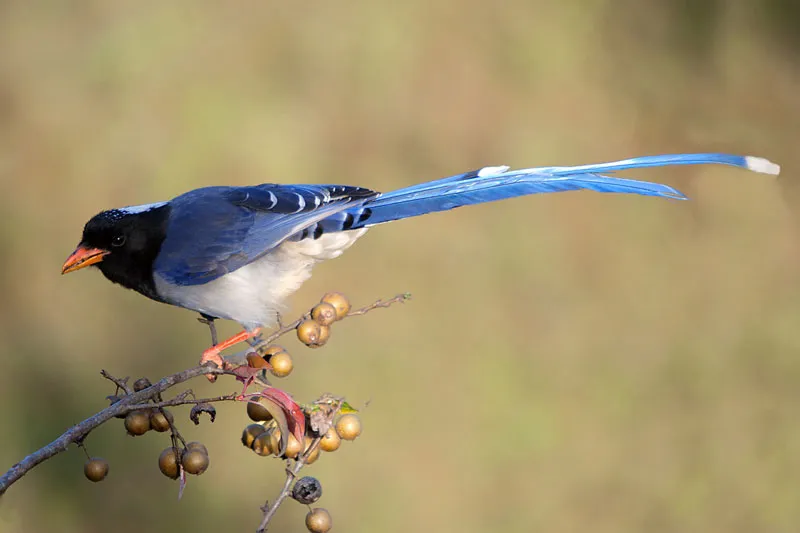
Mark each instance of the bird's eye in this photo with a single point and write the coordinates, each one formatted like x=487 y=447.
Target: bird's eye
x=118 y=240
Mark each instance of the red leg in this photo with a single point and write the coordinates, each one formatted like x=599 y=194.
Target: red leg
x=212 y=354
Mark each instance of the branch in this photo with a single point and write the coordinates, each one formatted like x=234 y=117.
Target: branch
x=78 y=432
x=291 y=475
x=150 y=398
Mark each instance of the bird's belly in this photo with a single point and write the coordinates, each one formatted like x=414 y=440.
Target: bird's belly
x=254 y=294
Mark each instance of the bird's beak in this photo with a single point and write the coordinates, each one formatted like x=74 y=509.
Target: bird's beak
x=83 y=257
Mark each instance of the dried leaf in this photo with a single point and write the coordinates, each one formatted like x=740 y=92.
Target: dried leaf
x=181 y=482
x=194 y=415
x=319 y=421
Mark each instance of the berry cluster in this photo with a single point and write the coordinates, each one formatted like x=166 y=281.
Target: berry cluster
x=315 y=330
x=280 y=428
x=327 y=423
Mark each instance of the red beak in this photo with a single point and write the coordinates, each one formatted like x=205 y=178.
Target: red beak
x=83 y=257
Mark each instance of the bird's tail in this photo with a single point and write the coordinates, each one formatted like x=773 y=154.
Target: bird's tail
x=498 y=183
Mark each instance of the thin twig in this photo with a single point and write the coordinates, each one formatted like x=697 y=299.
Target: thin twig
x=286 y=328
x=400 y=298
x=120 y=383
x=178 y=400
x=291 y=473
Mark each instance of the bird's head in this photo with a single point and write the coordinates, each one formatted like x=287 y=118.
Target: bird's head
x=122 y=243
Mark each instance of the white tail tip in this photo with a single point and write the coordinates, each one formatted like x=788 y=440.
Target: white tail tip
x=764 y=166
x=489 y=171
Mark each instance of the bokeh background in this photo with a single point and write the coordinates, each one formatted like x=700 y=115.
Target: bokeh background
x=572 y=362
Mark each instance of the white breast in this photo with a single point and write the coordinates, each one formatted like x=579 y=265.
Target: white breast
x=255 y=293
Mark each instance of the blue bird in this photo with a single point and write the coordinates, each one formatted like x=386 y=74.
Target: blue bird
x=237 y=253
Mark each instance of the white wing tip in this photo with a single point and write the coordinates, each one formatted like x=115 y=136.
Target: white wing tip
x=488 y=171
x=764 y=166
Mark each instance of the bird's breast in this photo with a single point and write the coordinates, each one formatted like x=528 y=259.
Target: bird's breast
x=253 y=294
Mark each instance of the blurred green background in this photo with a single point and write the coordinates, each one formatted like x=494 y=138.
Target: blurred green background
x=569 y=363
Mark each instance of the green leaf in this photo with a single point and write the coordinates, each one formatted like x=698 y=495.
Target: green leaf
x=347 y=408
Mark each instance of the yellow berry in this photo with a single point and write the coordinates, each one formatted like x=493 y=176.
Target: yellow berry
x=324 y=314
x=271 y=350
x=313 y=456
x=250 y=433
x=261 y=444
x=308 y=332
x=281 y=364
x=293 y=446
x=338 y=301
x=319 y=520
x=348 y=426
x=324 y=335
x=330 y=441
x=95 y=469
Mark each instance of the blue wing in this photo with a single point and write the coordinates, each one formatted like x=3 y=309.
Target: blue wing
x=216 y=230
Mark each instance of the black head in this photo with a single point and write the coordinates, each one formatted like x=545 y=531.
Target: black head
x=123 y=244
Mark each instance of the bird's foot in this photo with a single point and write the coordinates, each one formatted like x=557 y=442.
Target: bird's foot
x=213 y=354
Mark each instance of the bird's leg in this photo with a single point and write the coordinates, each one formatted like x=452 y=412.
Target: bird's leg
x=212 y=354
x=209 y=321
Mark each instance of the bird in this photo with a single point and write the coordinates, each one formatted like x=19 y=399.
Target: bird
x=238 y=252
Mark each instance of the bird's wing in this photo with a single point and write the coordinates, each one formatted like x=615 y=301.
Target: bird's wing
x=216 y=230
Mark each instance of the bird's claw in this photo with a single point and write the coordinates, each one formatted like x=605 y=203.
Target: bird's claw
x=211 y=355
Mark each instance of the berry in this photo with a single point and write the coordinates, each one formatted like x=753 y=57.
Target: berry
x=339 y=301
x=324 y=314
x=308 y=332
x=160 y=421
x=95 y=469
x=261 y=444
x=330 y=441
x=319 y=520
x=293 y=446
x=168 y=463
x=194 y=445
x=256 y=411
x=313 y=456
x=137 y=423
x=194 y=461
x=307 y=490
x=141 y=384
x=324 y=335
x=281 y=364
x=250 y=433
x=348 y=426
x=271 y=350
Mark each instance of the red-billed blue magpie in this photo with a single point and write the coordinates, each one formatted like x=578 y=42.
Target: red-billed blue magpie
x=238 y=252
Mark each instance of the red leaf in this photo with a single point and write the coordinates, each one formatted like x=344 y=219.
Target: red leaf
x=293 y=413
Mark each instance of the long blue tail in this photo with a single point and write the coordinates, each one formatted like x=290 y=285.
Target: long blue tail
x=498 y=183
